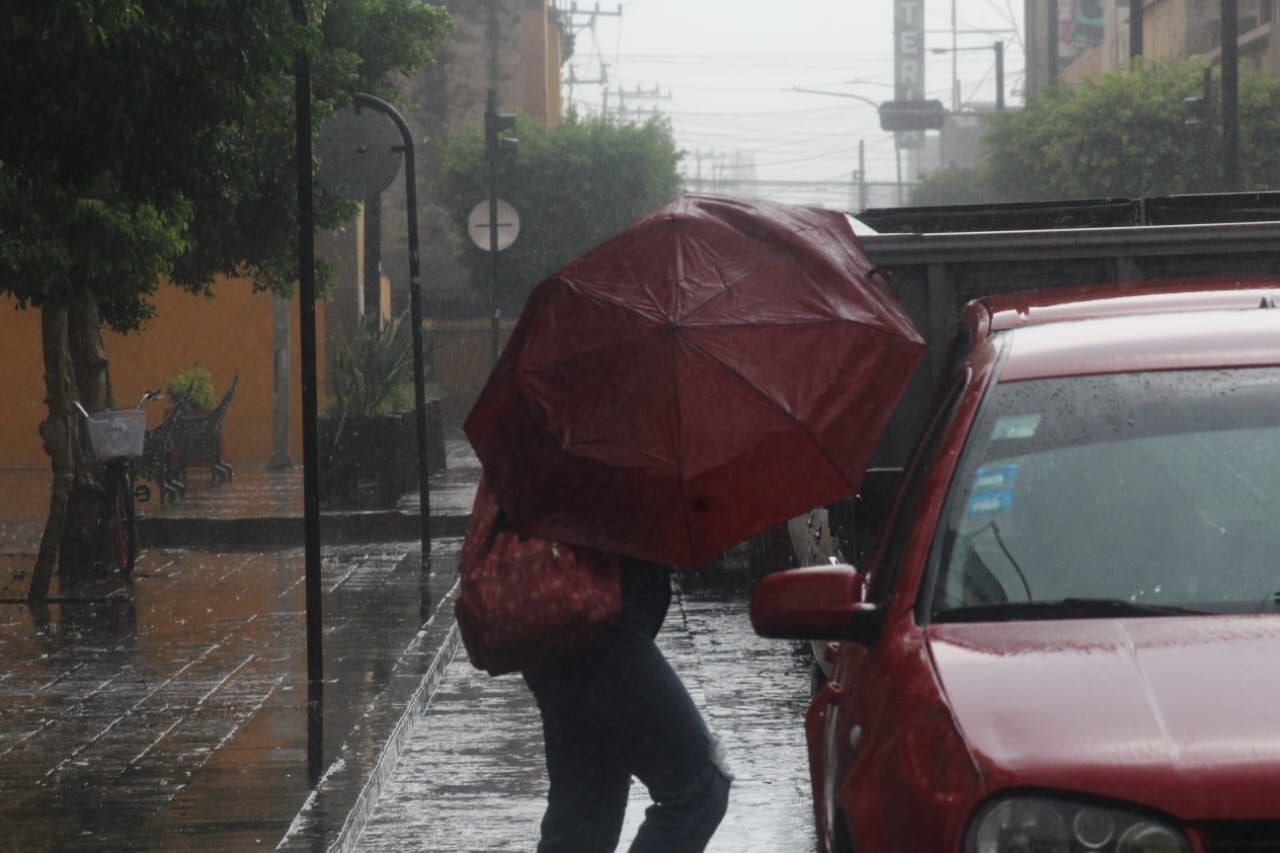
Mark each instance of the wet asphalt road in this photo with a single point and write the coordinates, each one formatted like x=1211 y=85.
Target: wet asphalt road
x=472 y=776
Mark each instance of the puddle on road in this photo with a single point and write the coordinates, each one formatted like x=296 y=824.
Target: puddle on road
x=472 y=776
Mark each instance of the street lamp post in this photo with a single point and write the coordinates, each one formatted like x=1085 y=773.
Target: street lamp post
x=415 y=317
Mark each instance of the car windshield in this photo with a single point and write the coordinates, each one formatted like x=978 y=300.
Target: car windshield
x=1116 y=495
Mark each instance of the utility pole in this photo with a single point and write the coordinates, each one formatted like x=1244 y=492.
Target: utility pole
x=955 y=61
x=494 y=124
x=496 y=147
x=639 y=94
x=1053 y=43
x=573 y=79
x=862 y=174
x=999 y=49
x=1135 y=30
x=588 y=16
x=1200 y=120
x=585 y=19
x=1230 y=97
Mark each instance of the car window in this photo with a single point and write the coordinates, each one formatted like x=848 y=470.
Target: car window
x=1149 y=488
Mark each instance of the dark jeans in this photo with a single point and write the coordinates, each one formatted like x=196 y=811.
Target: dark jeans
x=616 y=712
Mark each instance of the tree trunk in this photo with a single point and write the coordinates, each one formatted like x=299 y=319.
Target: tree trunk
x=75 y=370
x=82 y=536
x=57 y=431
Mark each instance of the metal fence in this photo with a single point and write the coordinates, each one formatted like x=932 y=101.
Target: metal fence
x=460 y=359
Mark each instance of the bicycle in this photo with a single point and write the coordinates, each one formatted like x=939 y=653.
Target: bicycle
x=117 y=439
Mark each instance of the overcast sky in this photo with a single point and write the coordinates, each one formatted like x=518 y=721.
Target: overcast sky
x=729 y=67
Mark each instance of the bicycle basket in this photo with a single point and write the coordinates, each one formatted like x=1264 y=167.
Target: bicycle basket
x=115 y=434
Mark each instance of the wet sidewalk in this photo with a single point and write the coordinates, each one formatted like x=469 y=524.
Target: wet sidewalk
x=177 y=717
x=471 y=776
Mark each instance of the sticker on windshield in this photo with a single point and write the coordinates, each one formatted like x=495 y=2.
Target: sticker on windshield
x=992 y=489
x=990 y=503
x=1015 y=426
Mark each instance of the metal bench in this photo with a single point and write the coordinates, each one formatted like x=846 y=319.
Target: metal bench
x=198 y=439
x=158 y=457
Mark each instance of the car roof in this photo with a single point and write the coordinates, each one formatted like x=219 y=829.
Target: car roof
x=1014 y=310
x=1184 y=324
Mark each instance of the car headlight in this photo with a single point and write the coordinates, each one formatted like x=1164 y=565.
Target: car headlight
x=1036 y=824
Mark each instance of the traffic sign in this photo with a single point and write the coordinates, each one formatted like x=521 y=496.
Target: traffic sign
x=359 y=153
x=508 y=225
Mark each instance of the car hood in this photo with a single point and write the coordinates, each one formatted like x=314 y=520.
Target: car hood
x=1179 y=713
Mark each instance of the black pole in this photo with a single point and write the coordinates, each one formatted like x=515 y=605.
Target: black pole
x=1135 y=29
x=493 y=34
x=415 y=317
x=310 y=452
x=1053 y=42
x=999 y=48
x=492 y=157
x=1230 y=97
x=371 y=298
x=307 y=336
x=862 y=174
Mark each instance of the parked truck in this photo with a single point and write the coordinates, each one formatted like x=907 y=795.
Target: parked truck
x=939 y=258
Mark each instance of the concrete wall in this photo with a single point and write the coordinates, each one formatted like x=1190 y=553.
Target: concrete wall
x=228 y=333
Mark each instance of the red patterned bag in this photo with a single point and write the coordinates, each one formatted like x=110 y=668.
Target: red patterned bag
x=525 y=602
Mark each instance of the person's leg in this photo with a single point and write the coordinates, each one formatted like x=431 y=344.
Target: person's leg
x=669 y=748
x=587 y=799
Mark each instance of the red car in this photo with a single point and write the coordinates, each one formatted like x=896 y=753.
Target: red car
x=1069 y=637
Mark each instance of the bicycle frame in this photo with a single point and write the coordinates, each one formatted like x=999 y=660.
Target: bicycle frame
x=120 y=519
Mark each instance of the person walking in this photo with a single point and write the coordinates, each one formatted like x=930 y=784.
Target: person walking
x=616 y=710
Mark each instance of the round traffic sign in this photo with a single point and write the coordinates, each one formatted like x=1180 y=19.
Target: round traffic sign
x=359 y=153
x=508 y=225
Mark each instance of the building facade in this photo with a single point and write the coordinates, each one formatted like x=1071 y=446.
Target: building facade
x=1089 y=38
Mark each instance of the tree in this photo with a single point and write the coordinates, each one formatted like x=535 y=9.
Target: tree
x=155 y=142
x=1127 y=134
x=574 y=186
x=953 y=184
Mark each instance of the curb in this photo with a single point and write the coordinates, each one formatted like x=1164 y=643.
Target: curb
x=331 y=819
x=272 y=532
x=362 y=809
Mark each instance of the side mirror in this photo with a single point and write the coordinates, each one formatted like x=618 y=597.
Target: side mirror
x=814 y=603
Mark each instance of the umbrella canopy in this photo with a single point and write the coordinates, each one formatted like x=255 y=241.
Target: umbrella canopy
x=721 y=365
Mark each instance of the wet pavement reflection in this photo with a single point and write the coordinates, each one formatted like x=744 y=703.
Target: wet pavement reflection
x=471 y=777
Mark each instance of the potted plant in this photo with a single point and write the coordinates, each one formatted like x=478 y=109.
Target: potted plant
x=192 y=387
x=368 y=437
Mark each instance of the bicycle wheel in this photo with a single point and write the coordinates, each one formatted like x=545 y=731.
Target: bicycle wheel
x=122 y=522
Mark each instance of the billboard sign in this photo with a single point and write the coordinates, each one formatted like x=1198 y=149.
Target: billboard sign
x=908 y=61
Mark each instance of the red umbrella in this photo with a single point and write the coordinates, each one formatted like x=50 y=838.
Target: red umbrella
x=720 y=366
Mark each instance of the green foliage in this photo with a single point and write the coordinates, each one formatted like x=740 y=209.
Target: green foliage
x=193 y=386
x=1125 y=135
x=151 y=138
x=574 y=186
x=372 y=371
x=953 y=185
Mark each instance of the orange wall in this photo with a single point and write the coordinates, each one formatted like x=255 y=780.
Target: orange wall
x=227 y=333
x=540 y=44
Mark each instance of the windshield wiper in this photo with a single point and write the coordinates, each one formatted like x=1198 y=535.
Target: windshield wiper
x=1064 y=608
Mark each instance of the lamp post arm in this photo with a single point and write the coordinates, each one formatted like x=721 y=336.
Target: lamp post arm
x=864 y=100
